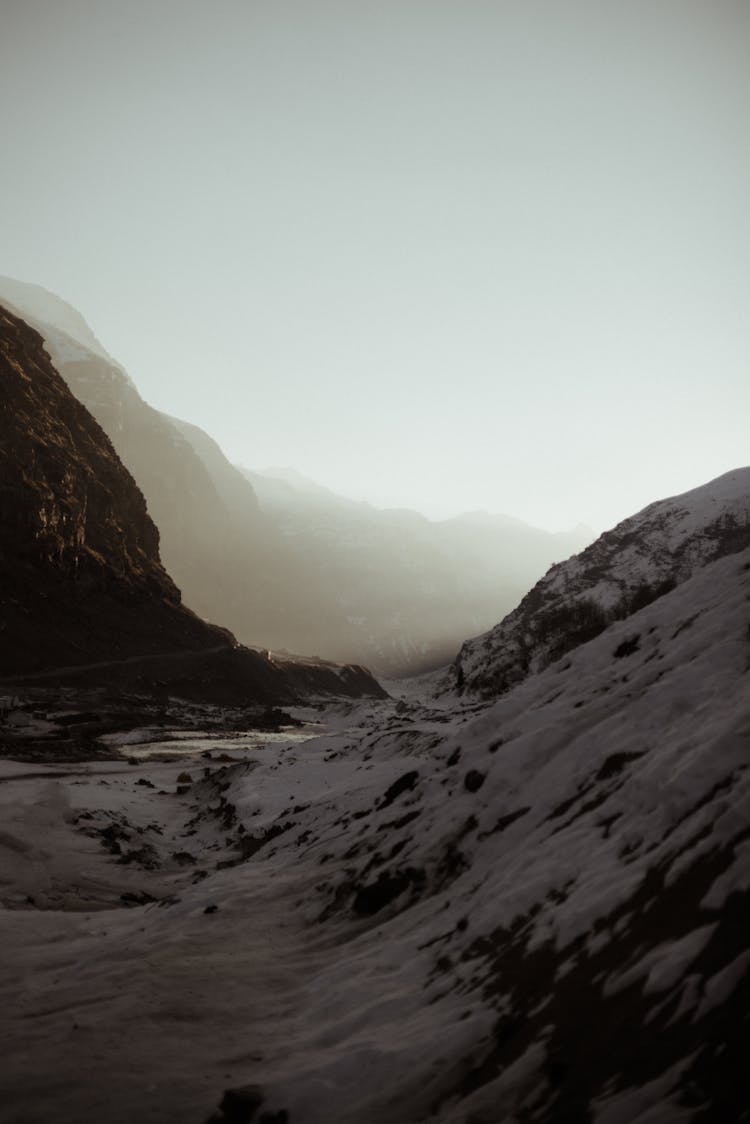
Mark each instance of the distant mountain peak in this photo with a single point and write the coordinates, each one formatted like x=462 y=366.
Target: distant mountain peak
x=51 y=310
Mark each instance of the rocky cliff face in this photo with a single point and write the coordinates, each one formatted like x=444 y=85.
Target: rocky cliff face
x=84 y=593
x=82 y=576
x=639 y=560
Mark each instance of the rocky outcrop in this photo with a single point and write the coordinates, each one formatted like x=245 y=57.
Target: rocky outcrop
x=638 y=561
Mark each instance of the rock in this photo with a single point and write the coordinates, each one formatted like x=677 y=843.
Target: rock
x=211 y=908
x=473 y=780
x=131 y=899
x=404 y=783
x=240 y=1105
x=184 y=858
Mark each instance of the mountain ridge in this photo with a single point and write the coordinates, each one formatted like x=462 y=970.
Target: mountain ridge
x=333 y=578
x=85 y=597
x=640 y=559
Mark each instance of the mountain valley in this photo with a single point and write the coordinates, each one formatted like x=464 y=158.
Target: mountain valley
x=293 y=567
x=241 y=885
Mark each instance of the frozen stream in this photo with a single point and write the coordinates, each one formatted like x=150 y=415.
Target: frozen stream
x=144 y=746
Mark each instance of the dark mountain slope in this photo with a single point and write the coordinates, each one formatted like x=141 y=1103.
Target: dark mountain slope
x=82 y=577
x=82 y=581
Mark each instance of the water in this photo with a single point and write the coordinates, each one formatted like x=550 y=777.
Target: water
x=192 y=743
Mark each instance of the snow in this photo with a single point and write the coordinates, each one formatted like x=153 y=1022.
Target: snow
x=665 y=543
x=403 y=942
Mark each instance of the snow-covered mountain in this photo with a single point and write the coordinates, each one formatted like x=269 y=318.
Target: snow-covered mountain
x=639 y=560
x=533 y=910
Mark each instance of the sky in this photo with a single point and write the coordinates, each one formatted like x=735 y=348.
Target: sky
x=441 y=254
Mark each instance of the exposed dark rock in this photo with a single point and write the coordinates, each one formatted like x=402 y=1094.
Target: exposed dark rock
x=474 y=780
x=627 y=647
x=145 y=856
x=404 y=783
x=133 y=899
x=184 y=858
x=240 y=1105
x=375 y=896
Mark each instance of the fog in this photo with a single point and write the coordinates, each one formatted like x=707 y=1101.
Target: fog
x=447 y=256
x=289 y=565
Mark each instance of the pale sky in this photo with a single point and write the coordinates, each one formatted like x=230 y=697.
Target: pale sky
x=443 y=254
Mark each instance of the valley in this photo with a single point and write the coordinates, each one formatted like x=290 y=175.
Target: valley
x=425 y=912
x=240 y=884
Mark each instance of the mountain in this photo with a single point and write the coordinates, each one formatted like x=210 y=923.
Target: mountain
x=57 y=315
x=401 y=587
x=527 y=910
x=83 y=588
x=638 y=561
x=76 y=537
x=303 y=570
x=213 y=539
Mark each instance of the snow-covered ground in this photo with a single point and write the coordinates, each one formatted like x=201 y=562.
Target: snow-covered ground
x=533 y=910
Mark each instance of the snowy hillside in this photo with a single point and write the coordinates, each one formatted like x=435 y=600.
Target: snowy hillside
x=637 y=561
x=529 y=911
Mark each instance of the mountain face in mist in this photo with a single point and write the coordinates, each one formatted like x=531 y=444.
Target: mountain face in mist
x=199 y=536
x=304 y=570
x=409 y=589
x=82 y=581
x=638 y=561
x=80 y=553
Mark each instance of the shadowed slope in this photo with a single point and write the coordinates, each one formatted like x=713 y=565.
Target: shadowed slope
x=83 y=586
